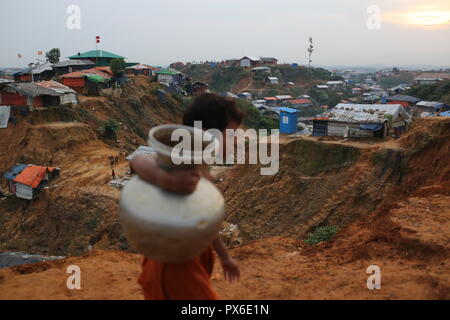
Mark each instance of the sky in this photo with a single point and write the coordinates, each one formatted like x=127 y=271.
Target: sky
x=344 y=32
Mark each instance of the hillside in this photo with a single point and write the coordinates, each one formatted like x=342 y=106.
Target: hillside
x=79 y=210
x=237 y=79
x=391 y=200
x=433 y=92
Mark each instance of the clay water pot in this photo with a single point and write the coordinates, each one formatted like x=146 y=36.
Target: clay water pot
x=168 y=227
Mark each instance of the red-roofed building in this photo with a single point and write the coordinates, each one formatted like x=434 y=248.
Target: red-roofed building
x=31 y=180
x=301 y=103
x=271 y=101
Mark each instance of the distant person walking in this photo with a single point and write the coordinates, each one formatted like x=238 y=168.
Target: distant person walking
x=113 y=173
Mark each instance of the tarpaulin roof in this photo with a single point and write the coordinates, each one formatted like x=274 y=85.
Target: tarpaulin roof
x=270 y=99
x=445 y=114
x=96 y=54
x=366 y=113
x=169 y=71
x=96 y=78
x=84 y=73
x=5 y=112
x=11 y=174
x=32 y=175
x=371 y=126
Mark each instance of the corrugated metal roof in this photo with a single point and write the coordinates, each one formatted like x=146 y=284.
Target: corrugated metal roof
x=270 y=99
x=31 y=89
x=284 y=97
x=403 y=98
x=429 y=104
x=36 y=70
x=56 y=86
x=141 y=150
x=96 y=54
x=74 y=62
x=251 y=58
x=366 y=113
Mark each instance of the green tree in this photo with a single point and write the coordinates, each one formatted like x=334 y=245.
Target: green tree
x=118 y=67
x=53 y=55
x=110 y=128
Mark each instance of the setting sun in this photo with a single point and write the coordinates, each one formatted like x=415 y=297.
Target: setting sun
x=429 y=19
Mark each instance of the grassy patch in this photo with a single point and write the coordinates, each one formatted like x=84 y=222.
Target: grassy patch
x=321 y=234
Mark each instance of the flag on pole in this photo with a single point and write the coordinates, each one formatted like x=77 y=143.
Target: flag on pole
x=19 y=56
x=40 y=53
x=97 y=39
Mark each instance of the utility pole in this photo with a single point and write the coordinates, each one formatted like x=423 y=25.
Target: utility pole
x=310 y=50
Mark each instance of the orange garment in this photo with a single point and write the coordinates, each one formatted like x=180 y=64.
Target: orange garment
x=179 y=281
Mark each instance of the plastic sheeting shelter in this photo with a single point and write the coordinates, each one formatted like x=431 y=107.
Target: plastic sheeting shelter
x=5 y=112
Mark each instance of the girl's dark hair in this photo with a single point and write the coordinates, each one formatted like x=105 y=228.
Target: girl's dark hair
x=214 y=111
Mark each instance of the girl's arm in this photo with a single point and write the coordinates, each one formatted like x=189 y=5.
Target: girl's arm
x=177 y=181
x=231 y=270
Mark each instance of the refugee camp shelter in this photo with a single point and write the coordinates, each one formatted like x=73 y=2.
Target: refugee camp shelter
x=169 y=76
x=41 y=72
x=101 y=58
x=228 y=95
x=5 y=112
x=430 y=106
x=288 y=120
x=271 y=101
x=248 y=61
x=268 y=60
x=405 y=101
x=245 y=95
x=300 y=103
x=74 y=65
x=26 y=181
x=271 y=80
x=88 y=81
x=142 y=69
x=262 y=69
x=36 y=94
x=336 y=85
x=361 y=120
x=199 y=88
